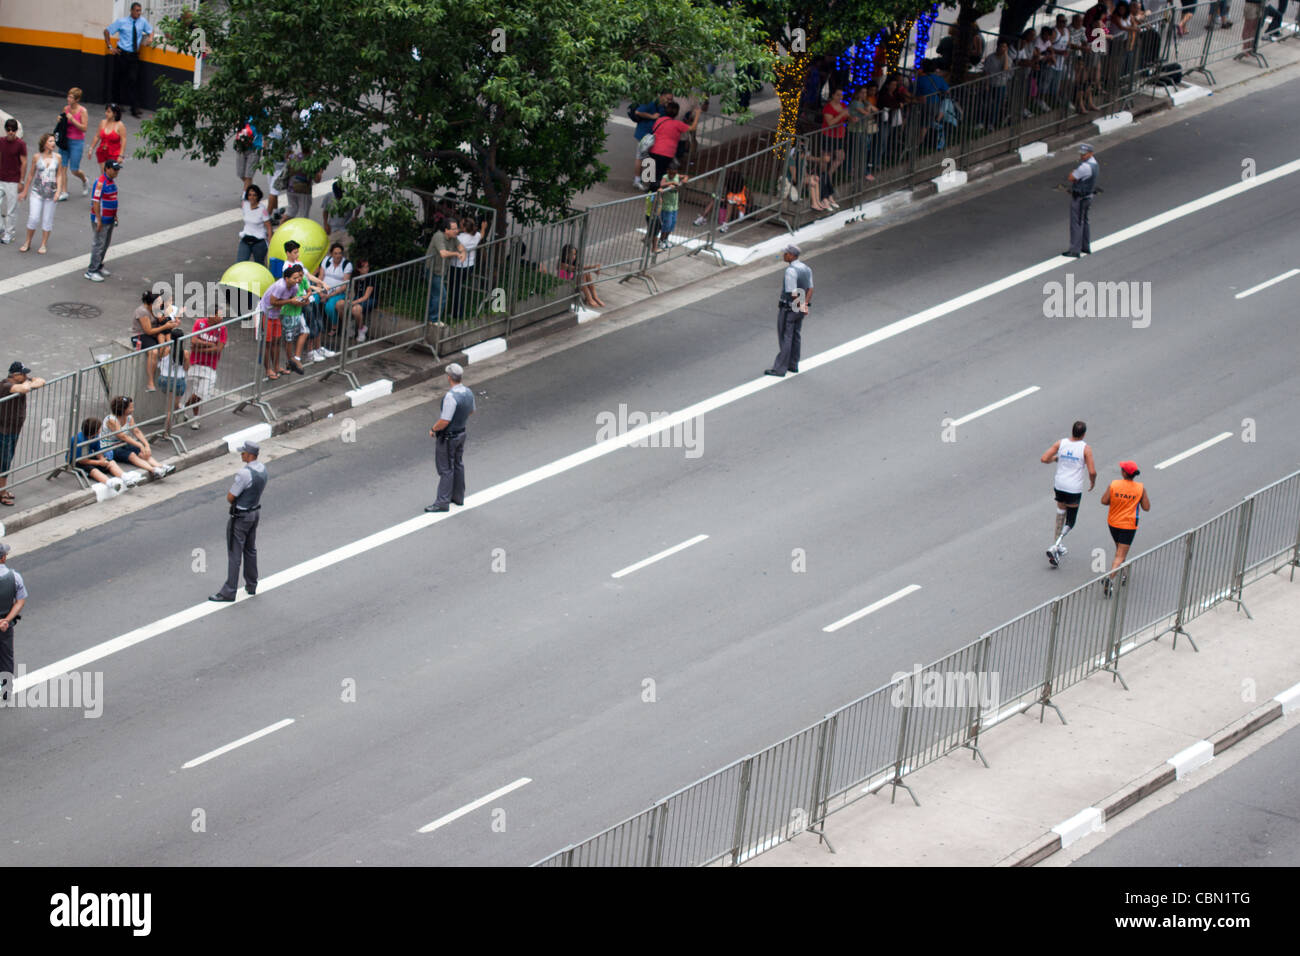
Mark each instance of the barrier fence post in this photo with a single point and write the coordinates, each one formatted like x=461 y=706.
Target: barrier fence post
x=1295 y=554
x=654 y=842
x=1182 y=593
x=738 y=834
x=1115 y=627
x=825 y=741
x=975 y=718
x=901 y=753
x=1045 y=700
x=1239 y=558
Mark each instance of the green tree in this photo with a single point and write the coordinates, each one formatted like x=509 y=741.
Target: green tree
x=505 y=99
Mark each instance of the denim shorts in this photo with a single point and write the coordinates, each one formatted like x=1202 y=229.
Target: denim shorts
x=72 y=155
x=8 y=444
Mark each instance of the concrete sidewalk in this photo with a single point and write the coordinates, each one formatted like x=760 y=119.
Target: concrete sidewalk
x=1113 y=749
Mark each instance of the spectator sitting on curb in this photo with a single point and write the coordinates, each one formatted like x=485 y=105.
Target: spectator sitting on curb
x=88 y=458
x=13 y=413
x=364 y=298
x=119 y=434
x=569 y=267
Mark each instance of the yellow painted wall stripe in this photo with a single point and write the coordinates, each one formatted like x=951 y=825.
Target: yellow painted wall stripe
x=90 y=45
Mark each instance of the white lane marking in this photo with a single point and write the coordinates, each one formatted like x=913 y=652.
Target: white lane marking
x=996 y=405
x=640 y=433
x=238 y=743
x=471 y=807
x=1264 y=285
x=1192 y=451
x=120 y=250
x=659 y=557
x=871 y=608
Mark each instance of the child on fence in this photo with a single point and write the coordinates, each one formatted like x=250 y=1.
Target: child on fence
x=569 y=267
x=669 y=203
x=734 y=205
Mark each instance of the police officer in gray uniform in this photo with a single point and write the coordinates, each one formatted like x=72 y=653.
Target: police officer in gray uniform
x=796 y=296
x=1083 y=185
x=245 y=497
x=13 y=595
x=449 y=430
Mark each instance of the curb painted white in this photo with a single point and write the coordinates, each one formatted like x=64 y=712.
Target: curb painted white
x=1189 y=95
x=1185 y=761
x=368 y=393
x=253 y=433
x=1031 y=151
x=587 y=315
x=949 y=181
x=1289 y=699
x=1091 y=820
x=1113 y=122
x=477 y=353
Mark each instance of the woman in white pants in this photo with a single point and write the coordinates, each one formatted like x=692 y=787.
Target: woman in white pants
x=42 y=186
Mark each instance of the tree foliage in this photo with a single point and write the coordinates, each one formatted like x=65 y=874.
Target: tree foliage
x=506 y=99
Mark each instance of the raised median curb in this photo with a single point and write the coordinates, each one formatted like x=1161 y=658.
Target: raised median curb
x=1175 y=768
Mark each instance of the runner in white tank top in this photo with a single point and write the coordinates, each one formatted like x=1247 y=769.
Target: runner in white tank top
x=1073 y=456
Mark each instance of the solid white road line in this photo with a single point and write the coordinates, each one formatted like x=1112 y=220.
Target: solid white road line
x=238 y=743
x=871 y=608
x=1264 y=285
x=1192 y=451
x=642 y=432
x=120 y=250
x=659 y=557
x=471 y=807
x=996 y=405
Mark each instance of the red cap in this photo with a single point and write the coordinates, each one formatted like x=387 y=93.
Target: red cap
x=1129 y=468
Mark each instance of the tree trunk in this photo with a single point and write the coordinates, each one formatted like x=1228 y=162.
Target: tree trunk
x=1015 y=14
x=967 y=27
x=790 y=72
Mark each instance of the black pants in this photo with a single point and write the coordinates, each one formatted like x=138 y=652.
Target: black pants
x=1080 y=228
x=241 y=543
x=789 y=324
x=126 y=80
x=449 y=459
x=6 y=662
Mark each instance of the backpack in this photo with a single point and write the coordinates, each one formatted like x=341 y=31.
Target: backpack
x=631 y=113
x=61 y=132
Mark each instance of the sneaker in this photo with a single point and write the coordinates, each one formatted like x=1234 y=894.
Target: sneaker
x=1052 y=559
x=722 y=228
x=361 y=335
x=699 y=221
x=85 y=188
x=160 y=472
x=315 y=355
x=1062 y=550
x=104 y=272
x=328 y=353
x=168 y=469
x=6 y=239
x=93 y=276
x=63 y=197
x=194 y=425
x=637 y=184
x=1106 y=587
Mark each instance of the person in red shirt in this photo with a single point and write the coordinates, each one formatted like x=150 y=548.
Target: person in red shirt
x=835 y=118
x=668 y=130
x=205 y=352
x=13 y=170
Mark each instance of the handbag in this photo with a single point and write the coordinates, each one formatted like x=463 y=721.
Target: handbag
x=61 y=132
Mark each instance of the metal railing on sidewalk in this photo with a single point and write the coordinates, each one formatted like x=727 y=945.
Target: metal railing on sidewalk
x=880 y=739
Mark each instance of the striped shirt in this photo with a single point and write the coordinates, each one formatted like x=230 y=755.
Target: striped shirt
x=105 y=193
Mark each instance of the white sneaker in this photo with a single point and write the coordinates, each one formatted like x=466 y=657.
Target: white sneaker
x=132 y=478
x=93 y=276
x=160 y=472
x=361 y=336
x=104 y=272
x=328 y=353
x=6 y=238
x=699 y=220
x=194 y=425
x=722 y=228
x=168 y=469
x=117 y=484
x=85 y=188
x=637 y=184
x=315 y=356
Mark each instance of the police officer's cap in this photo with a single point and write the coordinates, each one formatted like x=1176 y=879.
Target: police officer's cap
x=1085 y=148
x=250 y=448
x=792 y=250
x=4 y=549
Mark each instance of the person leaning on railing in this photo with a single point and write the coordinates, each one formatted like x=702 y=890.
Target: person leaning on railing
x=1249 y=23
x=150 y=330
x=13 y=414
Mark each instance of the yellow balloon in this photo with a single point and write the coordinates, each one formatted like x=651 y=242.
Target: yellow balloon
x=248 y=276
x=311 y=238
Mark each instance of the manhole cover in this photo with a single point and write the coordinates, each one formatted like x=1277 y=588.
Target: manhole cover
x=76 y=310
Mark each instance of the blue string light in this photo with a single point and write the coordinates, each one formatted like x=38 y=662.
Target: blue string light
x=923 y=23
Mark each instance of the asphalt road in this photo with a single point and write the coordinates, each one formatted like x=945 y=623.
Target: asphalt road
x=468 y=679
x=1247 y=816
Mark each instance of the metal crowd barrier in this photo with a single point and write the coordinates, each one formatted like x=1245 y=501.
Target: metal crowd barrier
x=1199 y=39
x=878 y=740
